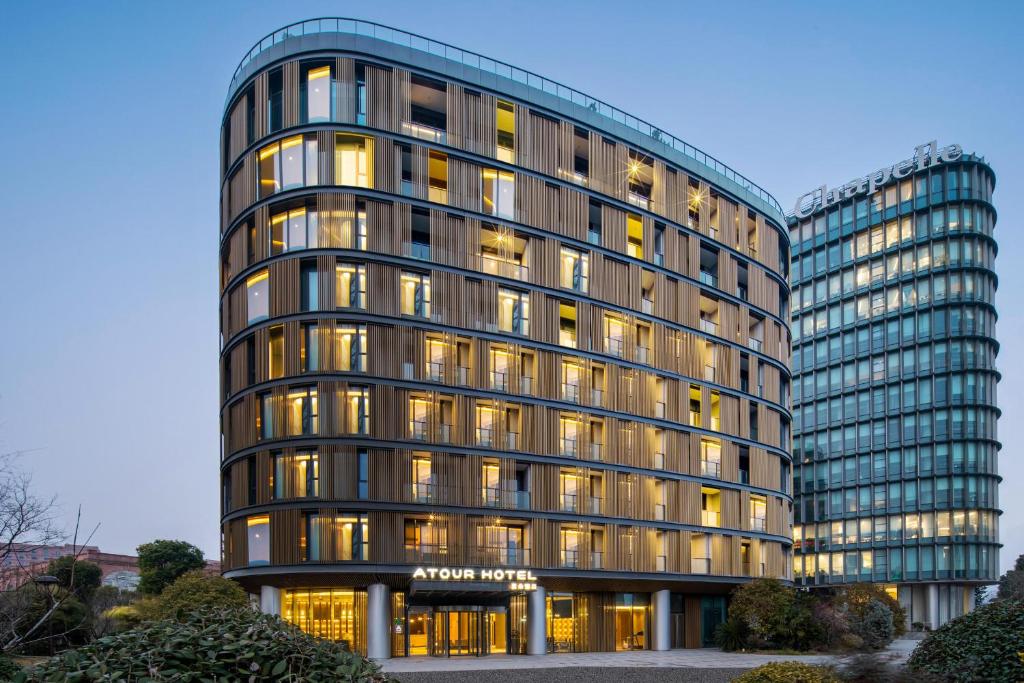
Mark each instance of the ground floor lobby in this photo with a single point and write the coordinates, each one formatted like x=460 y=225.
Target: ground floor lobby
x=446 y=619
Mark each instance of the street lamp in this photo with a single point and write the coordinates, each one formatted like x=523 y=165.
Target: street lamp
x=48 y=583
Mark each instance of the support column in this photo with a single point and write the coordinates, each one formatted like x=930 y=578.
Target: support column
x=378 y=621
x=537 y=622
x=662 y=602
x=933 y=605
x=270 y=600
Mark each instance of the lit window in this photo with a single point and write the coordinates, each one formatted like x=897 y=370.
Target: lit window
x=419 y=411
x=318 y=94
x=634 y=236
x=302 y=416
x=309 y=352
x=567 y=324
x=575 y=270
x=438 y=177
x=336 y=537
x=710 y=507
x=350 y=348
x=758 y=512
x=415 y=295
x=498 y=193
x=295 y=229
x=259 y=539
x=614 y=336
x=296 y=476
x=506 y=125
x=353 y=160
x=350 y=285
x=276 y=355
x=422 y=478
x=514 y=311
x=287 y=164
x=485 y=426
x=710 y=458
x=257 y=295
x=357 y=410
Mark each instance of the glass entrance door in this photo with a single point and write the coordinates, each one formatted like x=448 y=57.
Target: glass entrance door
x=457 y=633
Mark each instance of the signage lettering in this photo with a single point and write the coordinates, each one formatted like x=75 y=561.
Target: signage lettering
x=925 y=155
x=518 y=579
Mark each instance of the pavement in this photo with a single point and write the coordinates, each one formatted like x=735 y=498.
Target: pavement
x=625 y=667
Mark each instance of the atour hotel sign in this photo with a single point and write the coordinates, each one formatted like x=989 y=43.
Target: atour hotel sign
x=925 y=155
x=519 y=579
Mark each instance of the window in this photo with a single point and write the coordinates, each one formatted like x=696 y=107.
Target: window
x=336 y=537
x=710 y=507
x=568 y=547
x=301 y=411
x=700 y=554
x=634 y=236
x=500 y=368
x=570 y=381
x=309 y=299
x=506 y=125
x=485 y=425
x=275 y=100
x=316 y=94
x=514 y=311
x=350 y=348
x=758 y=512
x=428 y=109
x=296 y=476
x=353 y=160
x=426 y=541
x=437 y=168
x=259 y=539
x=614 y=336
x=276 y=351
x=309 y=353
x=503 y=252
x=498 y=192
x=594 y=223
x=710 y=458
x=640 y=177
x=415 y=296
x=287 y=164
x=353 y=227
x=567 y=324
x=265 y=416
x=350 y=285
x=294 y=229
x=257 y=296
x=361 y=94
x=575 y=270
x=363 y=473
x=422 y=478
x=357 y=410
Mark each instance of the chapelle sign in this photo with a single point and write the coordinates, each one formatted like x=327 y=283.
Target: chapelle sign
x=925 y=155
x=519 y=579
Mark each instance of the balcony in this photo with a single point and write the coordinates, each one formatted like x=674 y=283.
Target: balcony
x=596 y=559
x=597 y=451
x=423 y=492
x=700 y=565
x=709 y=373
x=418 y=430
x=444 y=433
x=497 y=497
x=639 y=200
x=659 y=512
x=708 y=279
x=642 y=354
x=426 y=554
x=511 y=441
x=416 y=250
x=708 y=326
x=754 y=344
x=504 y=267
x=659 y=460
x=526 y=385
x=596 y=397
x=484 y=436
x=659 y=409
x=435 y=371
x=462 y=376
x=711 y=468
x=758 y=524
x=570 y=392
x=594 y=505
x=614 y=346
x=568 y=448
x=499 y=556
x=709 y=518
x=660 y=563
x=568 y=558
x=646 y=306
x=424 y=132
x=568 y=502
x=499 y=380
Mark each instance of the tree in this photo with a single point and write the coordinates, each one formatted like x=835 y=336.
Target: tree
x=78 y=576
x=1011 y=584
x=764 y=607
x=161 y=562
x=195 y=590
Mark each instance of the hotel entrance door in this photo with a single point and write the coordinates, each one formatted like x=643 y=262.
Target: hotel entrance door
x=458 y=631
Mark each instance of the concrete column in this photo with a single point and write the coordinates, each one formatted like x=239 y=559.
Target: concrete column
x=969 y=601
x=662 y=626
x=378 y=621
x=270 y=600
x=933 y=605
x=537 y=622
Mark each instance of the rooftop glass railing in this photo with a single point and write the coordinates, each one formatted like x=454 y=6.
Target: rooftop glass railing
x=412 y=41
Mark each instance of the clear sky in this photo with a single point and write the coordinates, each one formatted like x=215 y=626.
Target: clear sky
x=111 y=113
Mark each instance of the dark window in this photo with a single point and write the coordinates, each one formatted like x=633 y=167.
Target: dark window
x=581 y=152
x=361 y=94
x=594 y=223
x=364 y=482
x=250 y=466
x=429 y=103
x=309 y=286
x=275 y=101
x=421 y=234
x=744 y=465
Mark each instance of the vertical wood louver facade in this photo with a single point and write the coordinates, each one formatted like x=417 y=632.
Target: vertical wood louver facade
x=461 y=329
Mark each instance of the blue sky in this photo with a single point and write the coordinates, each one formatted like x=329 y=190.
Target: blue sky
x=108 y=258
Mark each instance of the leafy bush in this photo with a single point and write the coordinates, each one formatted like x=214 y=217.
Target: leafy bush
x=731 y=635
x=161 y=562
x=221 y=645
x=855 y=598
x=803 y=632
x=873 y=623
x=764 y=606
x=834 y=625
x=984 y=645
x=86 y=576
x=194 y=590
x=8 y=668
x=788 y=672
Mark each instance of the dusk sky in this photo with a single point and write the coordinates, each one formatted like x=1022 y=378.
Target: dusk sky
x=111 y=114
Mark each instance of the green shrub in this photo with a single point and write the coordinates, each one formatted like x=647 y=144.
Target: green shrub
x=789 y=672
x=161 y=562
x=873 y=623
x=731 y=635
x=984 y=645
x=855 y=598
x=8 y=668
x=209 y=645
x=764 y=606
x=195 y=590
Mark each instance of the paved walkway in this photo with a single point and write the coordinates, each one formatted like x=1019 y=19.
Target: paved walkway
x=697 y=659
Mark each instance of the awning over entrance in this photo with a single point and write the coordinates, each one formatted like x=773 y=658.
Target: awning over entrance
x=462 y=593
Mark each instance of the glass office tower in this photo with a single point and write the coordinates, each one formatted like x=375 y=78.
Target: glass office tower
x=504 y=369
x=894 y=389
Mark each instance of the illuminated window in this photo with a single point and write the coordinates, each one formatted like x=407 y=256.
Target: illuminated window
x=503 y=252
x=437 y=168
x=425 y=540
x=352 y=227
x=356 y=401
x=695 y=410
x=506 y=126
x=490 y=477
x=500 y=368
x=353 y=160
x=614 y=336
x=317 y=94
x=700 y=553
x=568 y=547
x=710 y=507
x=422 y=478
x=295 y=229
x=634 y=236
x=276 y=355
x=640 y=177
x=502 y=544
x=415 y=295
x=309 y=351
x=258 y=529
x=575 y=270
x=350 y=285
x=257 y=296
x=350 y=348
x=568 y=433
x=569 y=491
x=514 y=311
x=498 y=191
x=758 y=512
x=265 y=416
x=570 y=381
x=296 y=476
x=710 y=458
x=339 y=538
x=419 y=411
x=338 y=615
x=485 y=426
x=287 y=164
x=567 y=324
x=302 y=417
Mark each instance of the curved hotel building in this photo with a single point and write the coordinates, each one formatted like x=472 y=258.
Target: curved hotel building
x=504 y=369
x=894 y=387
